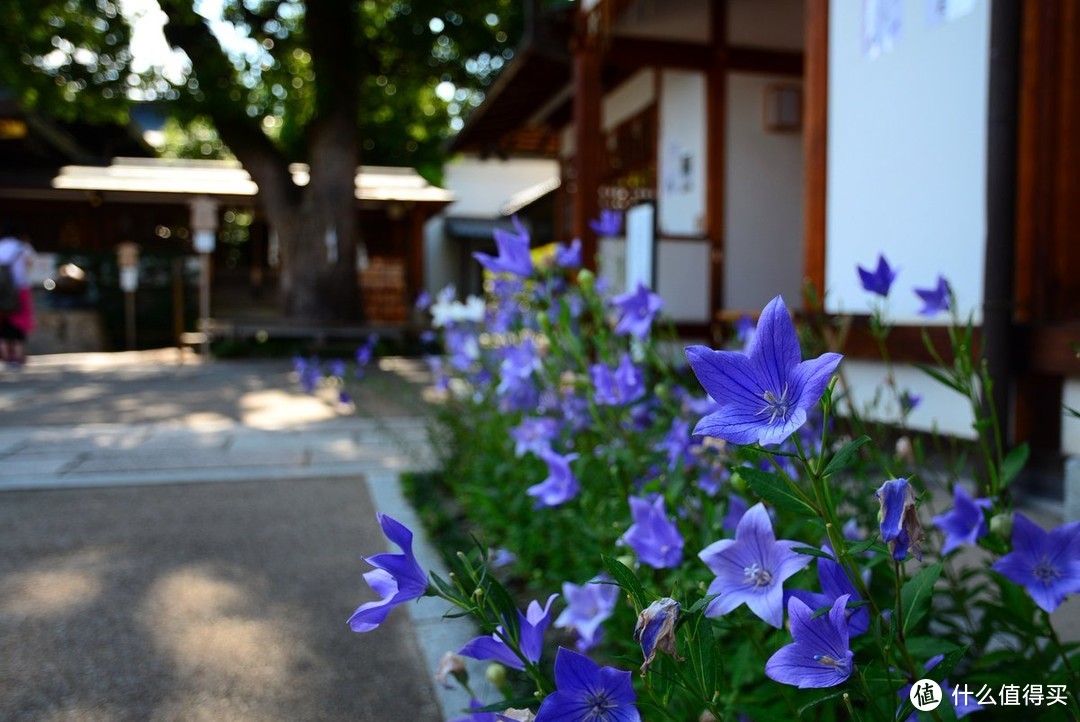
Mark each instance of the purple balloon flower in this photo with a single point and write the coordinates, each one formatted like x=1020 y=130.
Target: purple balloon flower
x=736 y=510
x=587 y=606
x=609 y=223
x=879 y=280
x=513 y=255
x=820 y=656
x=517 y=367
x=764 y=393
x=677 y=444
x=1046 y=563
x=751 y=568
x=965 y=523
x=534 y=435
x=568 y=256
x=560 y=486
x=900 y=525
x=532 y=626
x=652 y=536
x=624 y=385
x=588 y=692
x=397 y=578
x=637 y=311
x=935 y=300
x=835 y=583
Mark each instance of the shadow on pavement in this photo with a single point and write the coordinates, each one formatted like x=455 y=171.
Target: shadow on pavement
x=198 y=602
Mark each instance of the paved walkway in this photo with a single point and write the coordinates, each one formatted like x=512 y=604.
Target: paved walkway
x=138 y=585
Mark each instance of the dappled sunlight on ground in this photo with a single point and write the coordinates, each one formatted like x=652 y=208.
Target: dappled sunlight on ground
x=274 y=409
x=203 y=624
x=67 y=585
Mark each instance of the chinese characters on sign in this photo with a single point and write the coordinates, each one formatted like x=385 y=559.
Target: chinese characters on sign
x=1012 y=695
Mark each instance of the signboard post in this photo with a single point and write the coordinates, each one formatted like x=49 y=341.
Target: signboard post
x=204 y=225
x=127 y=260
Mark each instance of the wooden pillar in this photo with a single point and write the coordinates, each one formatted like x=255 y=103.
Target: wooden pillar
x=588 y=142
x=815 y=137
x=716 y=139
x=414 y=262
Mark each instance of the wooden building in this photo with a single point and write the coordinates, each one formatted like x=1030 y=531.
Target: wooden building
x=79 y=200
x=783 y=142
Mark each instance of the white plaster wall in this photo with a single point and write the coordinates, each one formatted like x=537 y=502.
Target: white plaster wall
x=906 y=156
x=941 y=409
x=682 y=275
x=763 y=202
x=1070 y=426
x=775 y=24
x=440 y=261
x=481 y=188
x=682 y=279
x=687 y=20
x=631 y=97
x=682 y=153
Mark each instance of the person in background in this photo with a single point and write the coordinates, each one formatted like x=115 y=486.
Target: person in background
x=16 y=325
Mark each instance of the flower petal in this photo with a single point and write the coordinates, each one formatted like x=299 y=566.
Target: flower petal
x=811 y=377
x=489 y=647
x=727 y=376
x=774 y=349
x=768 y=603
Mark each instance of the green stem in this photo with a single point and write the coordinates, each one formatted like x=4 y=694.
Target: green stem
x=1074 y=681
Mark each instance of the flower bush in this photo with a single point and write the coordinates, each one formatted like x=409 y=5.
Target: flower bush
x=728 y=521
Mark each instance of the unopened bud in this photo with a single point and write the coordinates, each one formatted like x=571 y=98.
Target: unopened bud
x=496 y=674
x=587 y=280
x=738 y=483
x=520 y=715
x=626 y=560
x=1001 y=525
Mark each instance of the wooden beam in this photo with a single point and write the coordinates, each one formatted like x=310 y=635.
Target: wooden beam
x=588 y=140
x=764 y=61
x=815 y=138
x=716 y=140
x=635 y=53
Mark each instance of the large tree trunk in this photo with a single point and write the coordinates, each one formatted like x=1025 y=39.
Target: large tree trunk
x=318 y=255
x=316 y=224
x=318 y=238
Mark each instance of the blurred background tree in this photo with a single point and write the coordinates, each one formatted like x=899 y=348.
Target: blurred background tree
x=328 y=83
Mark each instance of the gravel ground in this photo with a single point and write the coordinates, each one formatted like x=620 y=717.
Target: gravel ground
x=200 y=602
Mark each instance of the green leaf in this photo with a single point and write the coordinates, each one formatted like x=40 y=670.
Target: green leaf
x=1014 y=463
x=916 y=594
x=505 y=605
x=941 y=378
x=812 y=552
x=862 y=546
x=774 y=490
x=700 y=604
x=446 y=589
x=627 y=581
x=702 y=653
x=845 y=456
x=820 y=697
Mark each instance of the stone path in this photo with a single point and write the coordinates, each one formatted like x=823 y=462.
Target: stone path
x=138 y=584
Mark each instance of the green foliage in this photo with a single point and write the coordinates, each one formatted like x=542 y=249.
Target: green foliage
x=264 y=67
